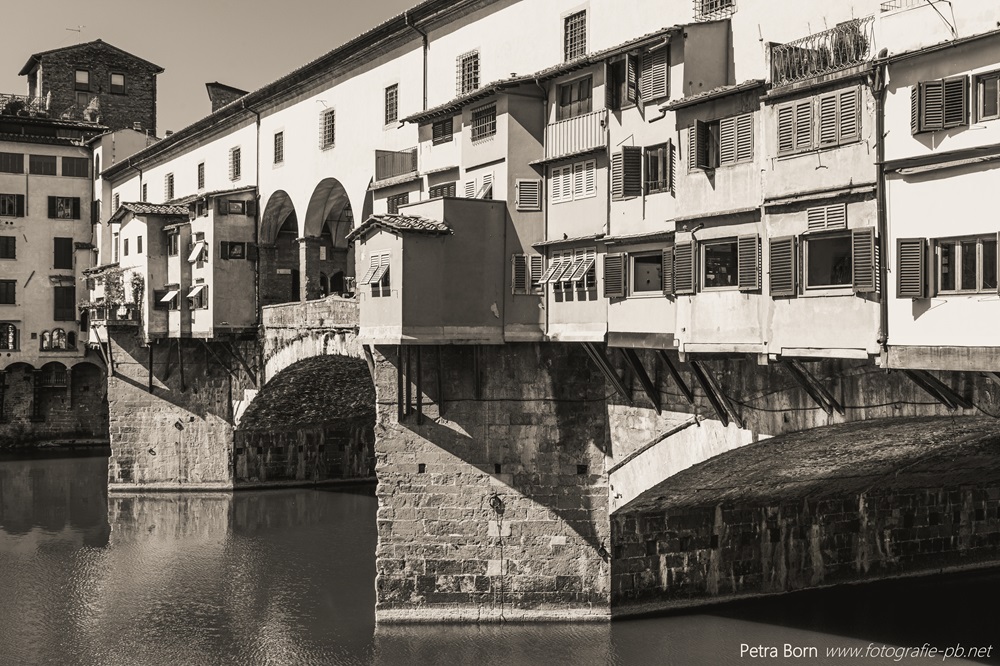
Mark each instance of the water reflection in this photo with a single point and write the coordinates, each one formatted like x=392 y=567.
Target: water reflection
x=286 y=577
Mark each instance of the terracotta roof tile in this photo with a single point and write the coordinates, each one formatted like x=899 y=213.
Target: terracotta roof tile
x=401 y=224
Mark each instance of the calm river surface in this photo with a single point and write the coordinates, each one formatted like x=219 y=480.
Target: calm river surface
x=287 y=577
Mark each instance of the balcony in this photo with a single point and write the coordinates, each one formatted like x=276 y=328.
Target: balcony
x=841 y=47
x=395 y=163
x=576 y=135
x=122 y=315
x=890 y=5
x=21 y=105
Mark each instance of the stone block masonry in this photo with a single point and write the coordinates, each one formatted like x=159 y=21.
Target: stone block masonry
x=493 y=498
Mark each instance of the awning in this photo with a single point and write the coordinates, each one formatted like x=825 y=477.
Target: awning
x=196 y=290
x=170 y=295
x=196 y=251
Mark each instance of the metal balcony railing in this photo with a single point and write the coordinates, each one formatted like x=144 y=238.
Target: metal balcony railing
x=901 y=4
x=22 y=105
x=123 y=315
x=845 y=45
x=576 y=135
x=395 y=163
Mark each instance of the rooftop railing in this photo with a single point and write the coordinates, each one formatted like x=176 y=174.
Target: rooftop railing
x=843 y=46
x=901 y=4
x=22 y=105
x=395 y=163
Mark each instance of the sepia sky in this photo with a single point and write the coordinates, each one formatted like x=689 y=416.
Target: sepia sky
x=242 y=43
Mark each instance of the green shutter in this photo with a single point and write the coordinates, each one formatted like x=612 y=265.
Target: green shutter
x=828 y=127
x=631 y=171
x=931 y=106
x=614 y=275
x=911 y=268
x=786 y=129
x=849 y=111
x=519 y=274
x=684 y=268
x=748 y=260
x=727 y=140
x=782 y=266
x=956 y=101
x=914 y=110
x=76 y=208
x=863 y=275
x=19 y=205
x=667 y=270
x=617 y=176
x=52 y=208
x=631 y=81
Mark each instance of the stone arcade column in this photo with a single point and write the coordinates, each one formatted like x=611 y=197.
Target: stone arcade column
x=309 y=288
x=493 y=497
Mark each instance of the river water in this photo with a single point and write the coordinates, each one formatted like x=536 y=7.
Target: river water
x=287 y=577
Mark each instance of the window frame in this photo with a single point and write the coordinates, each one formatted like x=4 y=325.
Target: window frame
x=9 y=332
x=665 y=165
x=436 y=139
x=112 y=86
x=78 y=85
x=481 y=128
x=565 y=195
x=570 y=110
x=467 y=81
x=76 y=164
x=60 y=246
x=806 y=240
x=394 y=201
x=391 y=106
x=8 y=247
x=173 y=244
x=235 y=163
x=575 y=27
x=958 y=241
x=8 y=286
x=979 y=81
x=279 y=148
x=442 y=190
x=168 y=186
x=328 y=128
x=64 y=208
x=12 y=205
x=631 y=291
x=36 y=162
x=200 y=175
x=703 y=263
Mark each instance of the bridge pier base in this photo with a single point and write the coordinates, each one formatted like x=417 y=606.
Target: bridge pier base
x=493 y=495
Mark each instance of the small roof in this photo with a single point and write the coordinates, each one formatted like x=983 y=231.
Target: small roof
x=36 y=57
x=401 y=224
x=183 y=201
x=141 y=208
x=215 y=85
x=714 y=93
x=569 y=241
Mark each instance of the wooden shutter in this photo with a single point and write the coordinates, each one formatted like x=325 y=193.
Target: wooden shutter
x=631 y=81
x=519 y=274
x=614 y=275
x=535 y=272
x=684 y=268
x=589 y=178
x=911 y=268
x=19 y=205
x=698 y=146
x=914 y=109
x=828 y=129
x=618 y=176
x=863 y=260
x=744 y=137
x=251 y=207
x=64 y=300
x=956 y=101
x=849 y=112
x=748 y=260
x=612 y=84
x=655 y=72
x=827 y=217
x=579 y=181
x=786 y=129
x=632 y=171
x=782 y=266
x=931 y=106
x=804 y=125
x=529 y=194
x=222 y=207
x=76 y=208
x=667 y=270
x=62 y=253
x=52 y=207
x=727 y=141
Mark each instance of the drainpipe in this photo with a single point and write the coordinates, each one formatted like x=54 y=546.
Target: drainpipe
x=132 y=166
x=546 y=305
x=256 y=224
x=881 y=75
x=423 y=35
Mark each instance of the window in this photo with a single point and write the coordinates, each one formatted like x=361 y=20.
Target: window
x=238 y=250
x=164 y=299
x=622 y=89
x=11 y=163
x=484 y=122
x=168 y=187
x=395 y=201
x=838 y=260
x=443 y=190
x=573 y=181
x=443 y=131
x=825 y=121
x=125 y=247
x=11 y=205
x=145 y=192
x=528 y=196
x=64 y=208
x=63 y=253
x=658 y=161
x=116 y=201
x=647 y=273
x=654 y=78
x=721 y=264
x=988 y=96
x=712 y=8
x=199 y=253
x=42 y=165
x=937 y=105
x=8 y=247
x=8 y=337
x=827 y=217
x=235 y=207
x=64 y=303
x=391 y=103
x=575 y=98
x=198 y=296
x=828 y=261
x=468 y=72
x=377 y=274
x=327 y=128
x=83 y=99
x=201 y=178
x=114 y=247
x=7 y=292
x=967 y=265
x=575 y=35
x=720 y=142
x=138 y=245
x=626 y=173
x=279 y=147
x=82 y=80
x=97 y=166
x=173 y=244
x=76 y=167
x=235 y=163
x=572 y=270
x=117 y=83
x=526 y=273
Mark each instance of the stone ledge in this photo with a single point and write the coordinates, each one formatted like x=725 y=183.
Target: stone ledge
x=446 y=615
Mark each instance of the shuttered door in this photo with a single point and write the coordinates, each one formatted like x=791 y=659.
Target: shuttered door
x=614 y=275
x=828 y=131
x=519 y=274
x=849 y=104
x=931 y=105
x=782 y=266
x=956 y=101
x=667 y=270
x=863 y=260
x=748 y=258
x=684 y=267
x=632 y=171
x=786 y=129
x=911 y=267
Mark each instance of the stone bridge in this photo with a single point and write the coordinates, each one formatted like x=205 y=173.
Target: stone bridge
x=556 y=481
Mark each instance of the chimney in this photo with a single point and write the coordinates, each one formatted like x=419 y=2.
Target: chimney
x=168 y=132
x=137 y=126
x=220 y=94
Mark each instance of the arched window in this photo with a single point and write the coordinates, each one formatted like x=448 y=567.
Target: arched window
x=58 y=338
x=46 y=340
x=8 y=336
